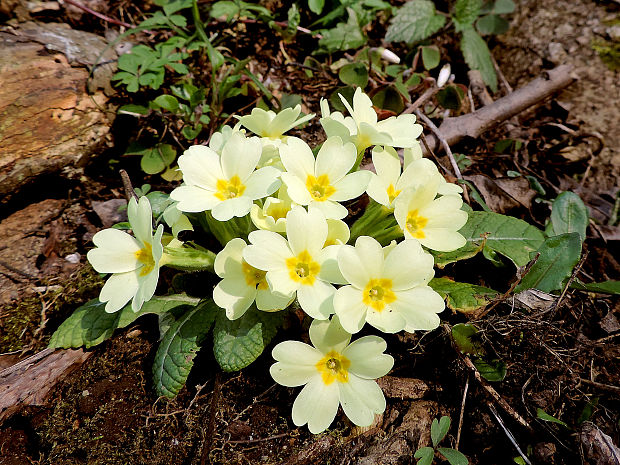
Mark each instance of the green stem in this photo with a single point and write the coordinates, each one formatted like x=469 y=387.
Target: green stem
x=378 y=222
x=188 y=259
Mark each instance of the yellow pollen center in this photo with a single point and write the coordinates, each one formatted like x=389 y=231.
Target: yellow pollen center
x=145 y=256
x=302 y=268
x=229 y=189
x=320 y=189
x=415 y=224
x=392 y=193
x=254 y=277
x=378 y=293
x=334 y=367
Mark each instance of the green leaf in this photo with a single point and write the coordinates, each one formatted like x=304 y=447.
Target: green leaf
x=167 y=102
x=439 y=429
x=606 y=287
x=176 y=352
x=425 y=454
x=316 y=6
x=477 y=56
x=156 y=159
x=491 y=370
x=466 y=339
x=569 y=214
x=224 y=8
x=450 y=97
x=508 y=236
x=238 y=343
x=502 y=7
x=90 y=324
x=344 y=36
x=540 y=413
x=430 y=57
x=414 y=21
x=492 y=24
x=134 y=110
x=389 y=98
x=558 y=257
x=354 y=74
x=453 y=456
x=463 y=297
x=465 y=13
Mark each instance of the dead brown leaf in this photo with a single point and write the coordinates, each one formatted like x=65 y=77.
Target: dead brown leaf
x=504 y=194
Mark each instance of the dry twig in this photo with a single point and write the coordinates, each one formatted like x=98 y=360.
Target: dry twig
x=443 y=141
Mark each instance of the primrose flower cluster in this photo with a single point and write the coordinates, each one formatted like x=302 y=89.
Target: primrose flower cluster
x=300 y=251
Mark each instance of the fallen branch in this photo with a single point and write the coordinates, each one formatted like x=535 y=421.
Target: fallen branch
x=474 y=124
x=28 y=382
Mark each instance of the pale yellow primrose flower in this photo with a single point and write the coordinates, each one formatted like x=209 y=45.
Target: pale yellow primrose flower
x=133 y=262
x=334 y=372
x=272 y=215
x=431 y=222
x=363 y=128
x=227 y=184
x=388 y=183
x=300 y=264
x=242 y=284
x=323 y=182
x=388 y=290
x=270 y=125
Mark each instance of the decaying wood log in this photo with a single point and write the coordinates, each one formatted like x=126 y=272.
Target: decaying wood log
x=29 y=381
x=474 y=124
x=48 y=121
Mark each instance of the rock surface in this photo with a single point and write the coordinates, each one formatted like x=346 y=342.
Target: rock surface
x=48 y=120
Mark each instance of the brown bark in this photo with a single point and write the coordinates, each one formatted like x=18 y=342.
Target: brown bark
x=48 y=121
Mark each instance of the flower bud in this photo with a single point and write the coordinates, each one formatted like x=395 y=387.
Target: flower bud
x=444 y=75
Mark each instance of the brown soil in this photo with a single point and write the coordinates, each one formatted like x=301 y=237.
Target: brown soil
x=565 y=362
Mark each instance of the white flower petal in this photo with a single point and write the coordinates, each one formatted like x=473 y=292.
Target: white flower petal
x=331 y=210
x=351 y=186
x=306 y=231
x=235 y=296
x=352 y=268
x=258 y=121
x=442 y=240
x=407 y=265
x=317 y=405
x=240 y=156
x=317 y=300
x=328 y=335
x=194 y=199
x=228 y=263
x=350 y=308
x=387 y=165
x=362 y=108
x=141 y=219
x=146 y=288
x=367 y=357
x=335 y=159
x=377 y=190
x=330 y=271
x=361 y=399
x=419 y=306
x=118 y=290
x=292 y=374
x=262 y=182
x=200 y=167
x=297 y=158
x=238 y=206
x=268 y=301
x=335 y=128
x=269 y=251
x=389 y=320
x=296 y=189
x=412 y=153
x=116 y=252
x=402 y=128
x=295 y=352
x=280 y=282
x=445 y=212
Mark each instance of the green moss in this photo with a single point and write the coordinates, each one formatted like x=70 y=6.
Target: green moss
x=22 y=323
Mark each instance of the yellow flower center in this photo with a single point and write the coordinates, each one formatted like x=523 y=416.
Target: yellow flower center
x=229 y=189
x=415 y=224
x=254 y=277
x=362 y=142
x=302 y=268
x=378 y=293
x=145 y=256
x=334 y=367
x=320 y=189
x=392 y=193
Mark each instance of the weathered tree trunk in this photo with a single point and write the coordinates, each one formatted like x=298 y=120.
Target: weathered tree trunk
x=48 y=121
